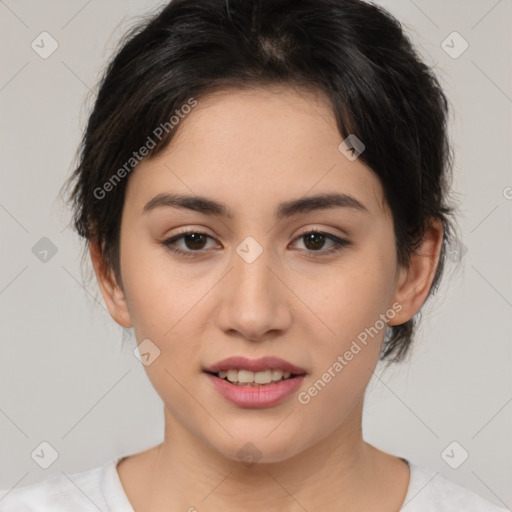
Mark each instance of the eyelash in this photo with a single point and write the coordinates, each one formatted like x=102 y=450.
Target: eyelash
x=339 y=243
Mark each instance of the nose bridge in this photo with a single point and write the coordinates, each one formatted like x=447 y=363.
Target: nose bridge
x=252 y=301
x=253 y=279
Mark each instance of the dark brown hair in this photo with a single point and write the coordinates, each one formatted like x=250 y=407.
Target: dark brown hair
x=353 y=52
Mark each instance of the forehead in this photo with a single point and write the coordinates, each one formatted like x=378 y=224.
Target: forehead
x=255 y=148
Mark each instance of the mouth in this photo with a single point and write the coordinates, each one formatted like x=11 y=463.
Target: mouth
x=264 y=372
x=241 y=377
x=255 y=383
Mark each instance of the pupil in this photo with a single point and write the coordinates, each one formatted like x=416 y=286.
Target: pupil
x=314 y=240
x=194 y=238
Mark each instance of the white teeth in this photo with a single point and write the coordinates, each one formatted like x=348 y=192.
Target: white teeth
x=264 y=377
x=277 y=374
x=232 y=375
x=244 y=377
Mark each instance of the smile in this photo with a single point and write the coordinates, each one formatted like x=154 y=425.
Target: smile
x=249 y=378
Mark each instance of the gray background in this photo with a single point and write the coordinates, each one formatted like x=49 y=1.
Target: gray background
x=67 y=372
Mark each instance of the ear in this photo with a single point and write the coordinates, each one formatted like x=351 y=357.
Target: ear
x=414 y=282
x=112 y=293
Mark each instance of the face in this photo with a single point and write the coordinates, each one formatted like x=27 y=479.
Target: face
x=252 y=279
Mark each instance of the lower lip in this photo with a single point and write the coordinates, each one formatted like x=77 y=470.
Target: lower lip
x=255 y=397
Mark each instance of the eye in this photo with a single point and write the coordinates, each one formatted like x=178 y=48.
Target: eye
x=194 y=242
x=314 y=241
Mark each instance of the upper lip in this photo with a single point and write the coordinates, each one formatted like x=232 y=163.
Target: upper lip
x=255 y=365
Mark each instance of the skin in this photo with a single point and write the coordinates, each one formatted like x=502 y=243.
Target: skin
x=251 y=150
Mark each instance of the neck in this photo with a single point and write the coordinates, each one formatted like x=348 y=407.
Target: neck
x=189 y=474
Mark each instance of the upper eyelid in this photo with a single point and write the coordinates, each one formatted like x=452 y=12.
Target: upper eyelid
x=178 y=236
x=203 y=231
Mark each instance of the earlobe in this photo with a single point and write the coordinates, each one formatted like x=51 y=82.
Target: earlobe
x=414 y=282
x=112 y=293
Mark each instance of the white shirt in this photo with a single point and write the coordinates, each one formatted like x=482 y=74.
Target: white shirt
x=100 y=489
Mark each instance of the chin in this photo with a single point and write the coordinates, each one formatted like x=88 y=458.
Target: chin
x=259 y=449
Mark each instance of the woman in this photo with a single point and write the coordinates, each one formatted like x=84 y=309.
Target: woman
x=263 y=190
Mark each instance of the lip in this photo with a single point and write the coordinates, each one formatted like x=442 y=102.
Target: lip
x=256 y=397
x=255 y=365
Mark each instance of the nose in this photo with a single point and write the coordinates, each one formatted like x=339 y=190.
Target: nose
x=254 y=302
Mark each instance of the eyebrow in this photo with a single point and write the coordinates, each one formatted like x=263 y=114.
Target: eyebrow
x=287 y=209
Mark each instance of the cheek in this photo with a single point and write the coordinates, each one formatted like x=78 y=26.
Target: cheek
x=158 y=295
x=164 y=308
x=167 y=306
x=351 y=296
x=350 y=303
x=350 y=300
x=334 y=393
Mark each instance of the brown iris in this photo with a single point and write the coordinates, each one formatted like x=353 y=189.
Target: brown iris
x=314 y=241
x=195 y=240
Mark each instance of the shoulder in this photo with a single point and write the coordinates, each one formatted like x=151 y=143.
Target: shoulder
x=82 y=491
x=430 y=492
